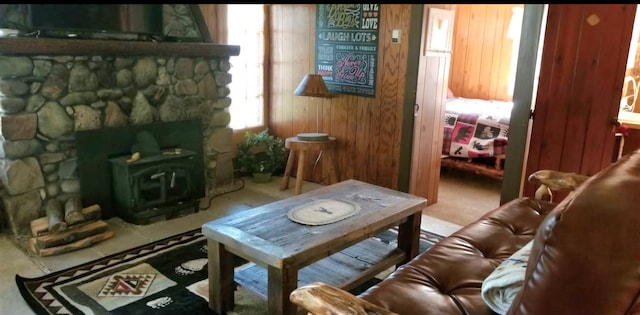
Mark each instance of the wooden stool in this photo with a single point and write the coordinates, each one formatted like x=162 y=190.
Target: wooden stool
x=301 y=147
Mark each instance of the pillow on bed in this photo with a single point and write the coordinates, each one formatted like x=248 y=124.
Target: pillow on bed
x=500 y=288
x=450 y=93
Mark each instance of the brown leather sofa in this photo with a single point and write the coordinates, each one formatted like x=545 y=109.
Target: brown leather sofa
x=585 y=258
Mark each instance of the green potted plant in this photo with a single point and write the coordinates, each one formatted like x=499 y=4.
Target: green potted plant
x=261 y=155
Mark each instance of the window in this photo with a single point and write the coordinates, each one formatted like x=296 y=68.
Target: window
x=245 y=27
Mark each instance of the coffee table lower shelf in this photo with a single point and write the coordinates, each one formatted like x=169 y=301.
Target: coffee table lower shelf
x=346 y=269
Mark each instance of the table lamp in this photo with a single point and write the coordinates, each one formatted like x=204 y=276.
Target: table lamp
x=313 y=85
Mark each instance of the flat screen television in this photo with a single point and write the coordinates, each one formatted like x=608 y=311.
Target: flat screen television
x=79 y=19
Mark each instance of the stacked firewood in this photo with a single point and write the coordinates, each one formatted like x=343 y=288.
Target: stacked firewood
x=68 y=229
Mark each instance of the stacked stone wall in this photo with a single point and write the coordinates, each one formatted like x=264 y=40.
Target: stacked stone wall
x=45 y=99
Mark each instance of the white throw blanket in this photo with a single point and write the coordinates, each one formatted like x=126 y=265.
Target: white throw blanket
x=500 y=288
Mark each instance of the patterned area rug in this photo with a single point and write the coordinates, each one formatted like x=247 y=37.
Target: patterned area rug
x=165 y=277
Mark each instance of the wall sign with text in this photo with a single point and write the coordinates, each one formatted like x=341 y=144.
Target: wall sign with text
x=347 y=47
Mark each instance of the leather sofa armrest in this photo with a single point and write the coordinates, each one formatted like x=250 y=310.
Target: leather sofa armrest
x=550 y=181
x=322 y=299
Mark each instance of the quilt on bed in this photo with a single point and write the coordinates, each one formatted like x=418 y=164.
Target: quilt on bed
x=476 y=128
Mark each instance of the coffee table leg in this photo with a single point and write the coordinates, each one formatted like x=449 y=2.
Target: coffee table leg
x=281 y=283
x=409 y=236
x=221 y=285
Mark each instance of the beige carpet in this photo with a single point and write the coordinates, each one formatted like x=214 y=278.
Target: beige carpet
x=464 y=197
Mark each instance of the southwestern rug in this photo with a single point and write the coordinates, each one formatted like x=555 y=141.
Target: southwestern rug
x=168 y=276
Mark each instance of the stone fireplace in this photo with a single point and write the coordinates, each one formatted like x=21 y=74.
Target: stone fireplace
x=52 y=88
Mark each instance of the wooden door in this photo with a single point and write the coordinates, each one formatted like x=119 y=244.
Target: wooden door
x=581 y=75
x=431 y=94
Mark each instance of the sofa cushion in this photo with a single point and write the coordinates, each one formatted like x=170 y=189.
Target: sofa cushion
x=447 y=278
x=586 y=254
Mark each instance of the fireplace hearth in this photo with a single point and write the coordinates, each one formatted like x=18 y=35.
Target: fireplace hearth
x=56 y=89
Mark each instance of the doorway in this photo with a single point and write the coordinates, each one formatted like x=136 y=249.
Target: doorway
x=480 y=68
x=628 y=136
x=561 y=137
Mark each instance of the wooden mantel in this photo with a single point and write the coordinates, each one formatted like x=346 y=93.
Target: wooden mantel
x=57 y=46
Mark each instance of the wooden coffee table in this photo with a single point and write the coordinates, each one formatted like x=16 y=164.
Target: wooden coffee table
x=286 y=254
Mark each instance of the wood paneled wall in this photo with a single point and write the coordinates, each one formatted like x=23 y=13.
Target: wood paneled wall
x=482 y=52
x=368 y=130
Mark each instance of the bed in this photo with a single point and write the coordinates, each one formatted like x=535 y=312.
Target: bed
x=476 y=135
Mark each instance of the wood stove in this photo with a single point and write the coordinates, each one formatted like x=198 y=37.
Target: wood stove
x=154 y=188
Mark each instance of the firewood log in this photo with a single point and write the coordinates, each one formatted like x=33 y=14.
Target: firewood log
x=73 y=211
x=71 y=235
x=85 y=242
x=40 y=226
x=55 y=216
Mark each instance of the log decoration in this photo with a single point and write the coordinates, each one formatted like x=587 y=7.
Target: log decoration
x=47 y=241
x=73 y=211
x=71 y=235
x=40 y=226
x=85 y=242
x=55 y=216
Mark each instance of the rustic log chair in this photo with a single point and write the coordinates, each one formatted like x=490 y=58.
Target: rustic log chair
x=550 y=181
x=319 y=298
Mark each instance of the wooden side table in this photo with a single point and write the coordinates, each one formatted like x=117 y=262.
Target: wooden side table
x=301 y=147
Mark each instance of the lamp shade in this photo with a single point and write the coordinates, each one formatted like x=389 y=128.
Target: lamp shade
x=312 y=85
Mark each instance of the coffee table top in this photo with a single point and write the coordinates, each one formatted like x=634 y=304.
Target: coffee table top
x=267 y=236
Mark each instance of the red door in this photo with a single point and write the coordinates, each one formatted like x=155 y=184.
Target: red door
x=581 y=75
